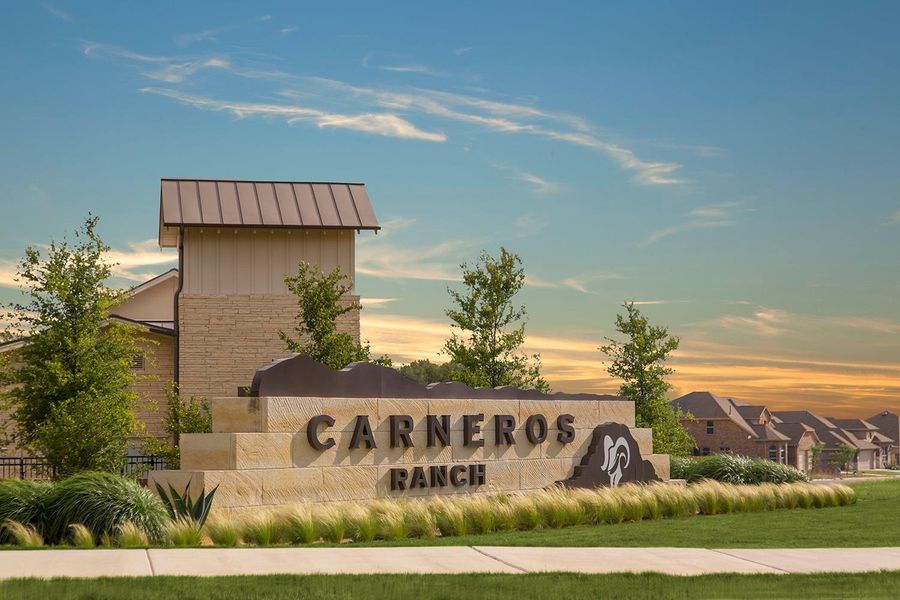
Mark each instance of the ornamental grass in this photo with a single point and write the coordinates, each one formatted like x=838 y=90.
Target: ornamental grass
x=554 y=507
x=23 y=535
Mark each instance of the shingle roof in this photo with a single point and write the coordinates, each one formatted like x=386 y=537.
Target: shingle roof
x=751 y=412
x=880 y=438
x=853 y=424
x=263 y=204
x=706 y=405
x=767 y=433
x=888 y=422
x=795 y=431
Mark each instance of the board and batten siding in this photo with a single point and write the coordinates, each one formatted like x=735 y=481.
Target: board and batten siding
x=226 y=261
x=234 y=301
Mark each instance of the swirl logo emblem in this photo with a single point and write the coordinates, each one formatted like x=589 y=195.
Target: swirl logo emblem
x=616 y=457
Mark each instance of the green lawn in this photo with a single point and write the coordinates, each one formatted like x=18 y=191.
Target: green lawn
x=873 y=521
x=462 y=587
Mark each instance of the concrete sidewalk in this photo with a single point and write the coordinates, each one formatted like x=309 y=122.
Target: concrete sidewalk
x=438 y=559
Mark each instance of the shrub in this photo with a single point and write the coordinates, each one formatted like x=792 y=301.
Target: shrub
x=223 y=531
x=22 y=502
x=298 y=524
x=184 y=532
x=23 y=535
x=262 y=529
x=362 y=525
x=129 y=535
x=101 y=502
x=732 y=468
x=81 y=536
x=331 y=525
x=181 y=507
x=450 y=518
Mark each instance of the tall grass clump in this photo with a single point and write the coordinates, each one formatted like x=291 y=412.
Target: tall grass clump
x=559 y=507
x=525 y=513
x=223 y=531
x=22 y=502
x=298 y=524
x=184 y=533
x=479 y=512
x=80 y=536
x=23 y=535
x=362 y=525
x=262 y=529
x=330 y=524
x=448 y=517
x=129 y=535
x=845 y=494
x=421 y=521
x=391 y=519
x=101 y=502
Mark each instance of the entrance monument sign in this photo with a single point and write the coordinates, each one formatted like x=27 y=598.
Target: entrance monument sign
x=309 y=433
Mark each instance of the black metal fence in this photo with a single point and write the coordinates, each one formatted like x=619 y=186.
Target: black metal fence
x=37 y=467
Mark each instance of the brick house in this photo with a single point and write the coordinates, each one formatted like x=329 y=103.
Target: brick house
x=833 y=437
x=863 y=430
x=725 y=425
x=888 y=424
x=213 y=321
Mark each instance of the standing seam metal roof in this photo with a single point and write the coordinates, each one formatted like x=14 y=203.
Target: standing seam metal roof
x=277 y=204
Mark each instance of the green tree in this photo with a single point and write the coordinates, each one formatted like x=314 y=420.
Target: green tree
x=640 y=363
x=815 y=451
x=182 y=416
x=70 y=384
x=489 y=354
x=424 y=371
x=320 y=298
x=843 y=457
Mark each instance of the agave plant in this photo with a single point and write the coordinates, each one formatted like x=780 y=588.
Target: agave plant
x=181 y=507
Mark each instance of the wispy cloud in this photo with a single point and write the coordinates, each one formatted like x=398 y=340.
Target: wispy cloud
x=376 y=302
x=541 y=185
x=893 y=219
x=212 y=34
x=385 y=124
x=704 y=217
x=580 y=283
x=139 y=261
x=461 y=51
x=763 y=321
x=59 y=13
x=477 y=111
x=396 y=63
x=288 y=30
x=528 y=225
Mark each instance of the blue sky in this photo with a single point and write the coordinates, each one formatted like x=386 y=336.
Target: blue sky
x=733 y=167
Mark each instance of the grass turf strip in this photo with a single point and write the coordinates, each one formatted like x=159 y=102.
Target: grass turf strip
x=463 y=587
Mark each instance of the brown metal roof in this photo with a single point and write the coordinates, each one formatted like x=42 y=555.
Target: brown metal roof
x=263 y=204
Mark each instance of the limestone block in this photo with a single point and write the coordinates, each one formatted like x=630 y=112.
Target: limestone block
x=522 y=449
x=383 y=454
x=236 y=488
x=576 y=448
x=236 y=415
x=293 y=414
x=284 y=486
x=660 y=463
x=536 y=474
x=455 y=407
x=207 y=451
x=348 y=483
x=304 y=455
x=616 y=411
x=415 y=408
x=549 y=408
x=586 y=412
x=644 y=438
x=263 y=450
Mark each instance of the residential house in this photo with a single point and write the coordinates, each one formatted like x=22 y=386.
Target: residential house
x=888 y=424
x=864 y=430
x=833 y=437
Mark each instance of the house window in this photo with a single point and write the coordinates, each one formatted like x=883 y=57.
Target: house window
x=137 y=362
x=706 y=452
x=773 y=453
x=695 y=451
x=724 y=449
x=710 y=427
